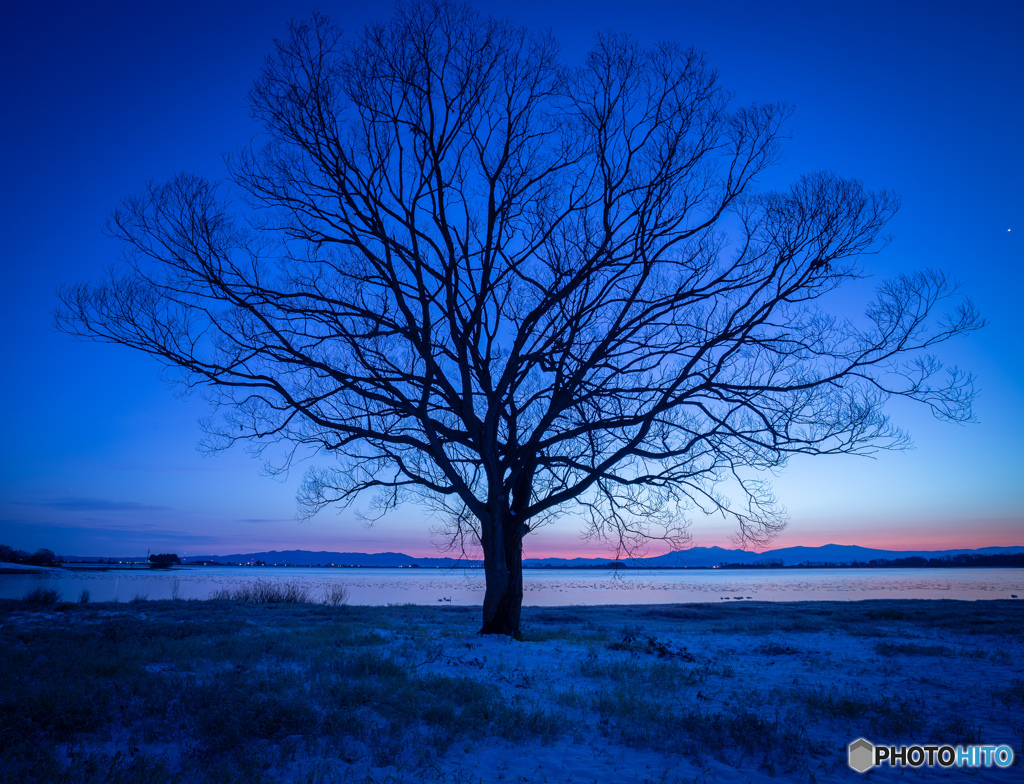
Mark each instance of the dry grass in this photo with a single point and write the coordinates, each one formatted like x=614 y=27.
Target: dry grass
x=266 y=592
x=43 y=596
x=263 y=687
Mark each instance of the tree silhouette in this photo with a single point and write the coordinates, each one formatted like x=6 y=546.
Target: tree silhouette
x=43 y=557
x=164 y=560
x=509 y=288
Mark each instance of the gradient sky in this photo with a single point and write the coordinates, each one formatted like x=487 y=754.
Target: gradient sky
x=100 y=457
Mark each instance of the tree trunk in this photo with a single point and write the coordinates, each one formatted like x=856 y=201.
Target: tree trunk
x=503 y=569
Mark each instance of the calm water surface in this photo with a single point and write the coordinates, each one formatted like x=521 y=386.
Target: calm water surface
x=544 y=587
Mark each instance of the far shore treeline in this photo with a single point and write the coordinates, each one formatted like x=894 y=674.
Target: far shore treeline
x=41 y=557
x=46 y=558
x=913 y=562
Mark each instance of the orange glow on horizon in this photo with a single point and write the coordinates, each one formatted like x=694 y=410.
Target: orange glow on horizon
x=896 y=535
x=878 y=535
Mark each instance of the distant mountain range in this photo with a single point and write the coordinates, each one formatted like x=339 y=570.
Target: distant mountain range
x=694 y=557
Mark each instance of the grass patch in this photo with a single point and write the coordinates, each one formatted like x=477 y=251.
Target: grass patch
x=43 y=596
x=771 y=741
x=848 y=705
x=258 y=686
x=1011 y=695
x=959 y=730
x=634 y=639
x=231 y=691
x=265 y=592
x=775 y=648
x=911 y=649
x=335 y=595
x=897 y=718
x=278 y=592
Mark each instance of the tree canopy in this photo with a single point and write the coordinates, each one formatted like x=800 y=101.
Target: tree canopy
x=507 y=287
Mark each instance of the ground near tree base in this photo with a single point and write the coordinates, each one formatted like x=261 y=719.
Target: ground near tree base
x=226 y=691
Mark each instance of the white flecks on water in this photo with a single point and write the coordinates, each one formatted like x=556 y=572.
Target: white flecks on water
x=542 y=587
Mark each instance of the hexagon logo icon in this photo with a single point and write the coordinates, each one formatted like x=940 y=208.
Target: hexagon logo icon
x=861 y=755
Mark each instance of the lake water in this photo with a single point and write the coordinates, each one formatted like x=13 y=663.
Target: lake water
x=543 y=587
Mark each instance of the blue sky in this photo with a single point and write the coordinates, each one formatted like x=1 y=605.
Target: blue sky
x=100 y=454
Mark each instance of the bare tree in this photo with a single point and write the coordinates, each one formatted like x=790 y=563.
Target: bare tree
x=504 y=287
